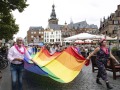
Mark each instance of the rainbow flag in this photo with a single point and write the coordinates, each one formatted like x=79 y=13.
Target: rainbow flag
x=62 y=67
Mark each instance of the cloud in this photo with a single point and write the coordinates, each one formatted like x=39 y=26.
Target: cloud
x=38 y=12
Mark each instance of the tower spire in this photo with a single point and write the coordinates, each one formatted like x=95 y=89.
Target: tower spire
x=53 y=14
x=53 y=19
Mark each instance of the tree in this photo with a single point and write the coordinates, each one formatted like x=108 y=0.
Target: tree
x=8 y=27
x=7 y=22
x=9 y=5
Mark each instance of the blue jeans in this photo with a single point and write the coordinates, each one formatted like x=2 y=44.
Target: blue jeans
x=16 y=76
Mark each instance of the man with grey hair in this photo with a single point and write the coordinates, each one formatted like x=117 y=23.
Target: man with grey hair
x=15 y=56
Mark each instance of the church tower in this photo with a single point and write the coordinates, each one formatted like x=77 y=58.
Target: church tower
x=53 y=19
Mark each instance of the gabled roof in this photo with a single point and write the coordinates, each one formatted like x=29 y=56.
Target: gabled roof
x=79 y=25
x=36 y=28
x=55 y=26
x=82 y=24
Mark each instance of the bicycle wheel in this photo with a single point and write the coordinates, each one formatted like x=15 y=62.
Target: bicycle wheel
x=0 y=74
x=3 y=64
x=0 y=64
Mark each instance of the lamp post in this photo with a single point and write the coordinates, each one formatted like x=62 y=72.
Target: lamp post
x=118 y=35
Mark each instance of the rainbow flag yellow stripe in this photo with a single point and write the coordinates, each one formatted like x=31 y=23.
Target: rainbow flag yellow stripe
x=62 y=67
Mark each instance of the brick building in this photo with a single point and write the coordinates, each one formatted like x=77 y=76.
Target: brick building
x=35 y=35
x=109 y=26
x=59 y=32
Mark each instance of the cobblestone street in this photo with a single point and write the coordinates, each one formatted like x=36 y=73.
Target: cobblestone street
x=84 y=81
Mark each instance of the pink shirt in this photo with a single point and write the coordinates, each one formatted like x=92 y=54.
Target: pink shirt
x=14 y=53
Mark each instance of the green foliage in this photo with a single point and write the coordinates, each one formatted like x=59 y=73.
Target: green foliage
x=9 y=5
x=114 y=50
x=8 y=27
x=7 y=23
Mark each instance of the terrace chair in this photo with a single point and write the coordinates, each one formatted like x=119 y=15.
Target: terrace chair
x=94 y=66
x=113 y=67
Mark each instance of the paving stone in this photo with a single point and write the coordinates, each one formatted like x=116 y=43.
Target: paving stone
x=84 y=81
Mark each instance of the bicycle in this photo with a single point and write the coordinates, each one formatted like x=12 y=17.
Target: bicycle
x=3 y=62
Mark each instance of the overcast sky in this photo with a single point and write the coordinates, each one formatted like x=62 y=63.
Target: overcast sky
x=38 y=12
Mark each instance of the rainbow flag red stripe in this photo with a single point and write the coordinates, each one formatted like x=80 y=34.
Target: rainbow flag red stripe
x=62 y=67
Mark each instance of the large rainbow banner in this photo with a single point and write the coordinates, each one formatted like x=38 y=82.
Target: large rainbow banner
x=62 y=67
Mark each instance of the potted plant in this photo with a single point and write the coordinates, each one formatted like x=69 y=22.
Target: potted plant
x=114 y=51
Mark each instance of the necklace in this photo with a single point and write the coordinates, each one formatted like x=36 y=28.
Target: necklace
x=105 y=49
x=16 y=46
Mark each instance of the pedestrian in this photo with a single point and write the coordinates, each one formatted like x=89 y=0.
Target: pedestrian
x=102 y=54
x=52 y=49
x=30 y=49
x=15 y=56
x=77 y=48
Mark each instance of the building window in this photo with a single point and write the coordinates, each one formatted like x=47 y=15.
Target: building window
x=106 y=32
x=31 y=36
x=114 y=32
x=31 y=40
x=34 y=32
x=109 y=34
x=31 y=32
x=45 y=40
x=56 y=32
x=115 y=28
x=41 y=36
x=119 y=21
x=39 y=32
x=103 y=25
x=51 y=40
x=47 y=33
x=115 y=22
x=118 y=14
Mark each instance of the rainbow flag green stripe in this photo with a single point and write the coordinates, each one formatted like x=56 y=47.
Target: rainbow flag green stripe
x=62 y=67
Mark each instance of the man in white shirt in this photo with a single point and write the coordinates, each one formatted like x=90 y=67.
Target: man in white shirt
x=15 y=56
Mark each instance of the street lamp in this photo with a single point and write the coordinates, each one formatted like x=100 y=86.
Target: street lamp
x=118 y=35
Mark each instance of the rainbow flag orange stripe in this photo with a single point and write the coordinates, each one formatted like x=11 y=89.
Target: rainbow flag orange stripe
x=62 y=67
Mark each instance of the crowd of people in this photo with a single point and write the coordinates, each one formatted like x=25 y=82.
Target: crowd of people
x=16 y=54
